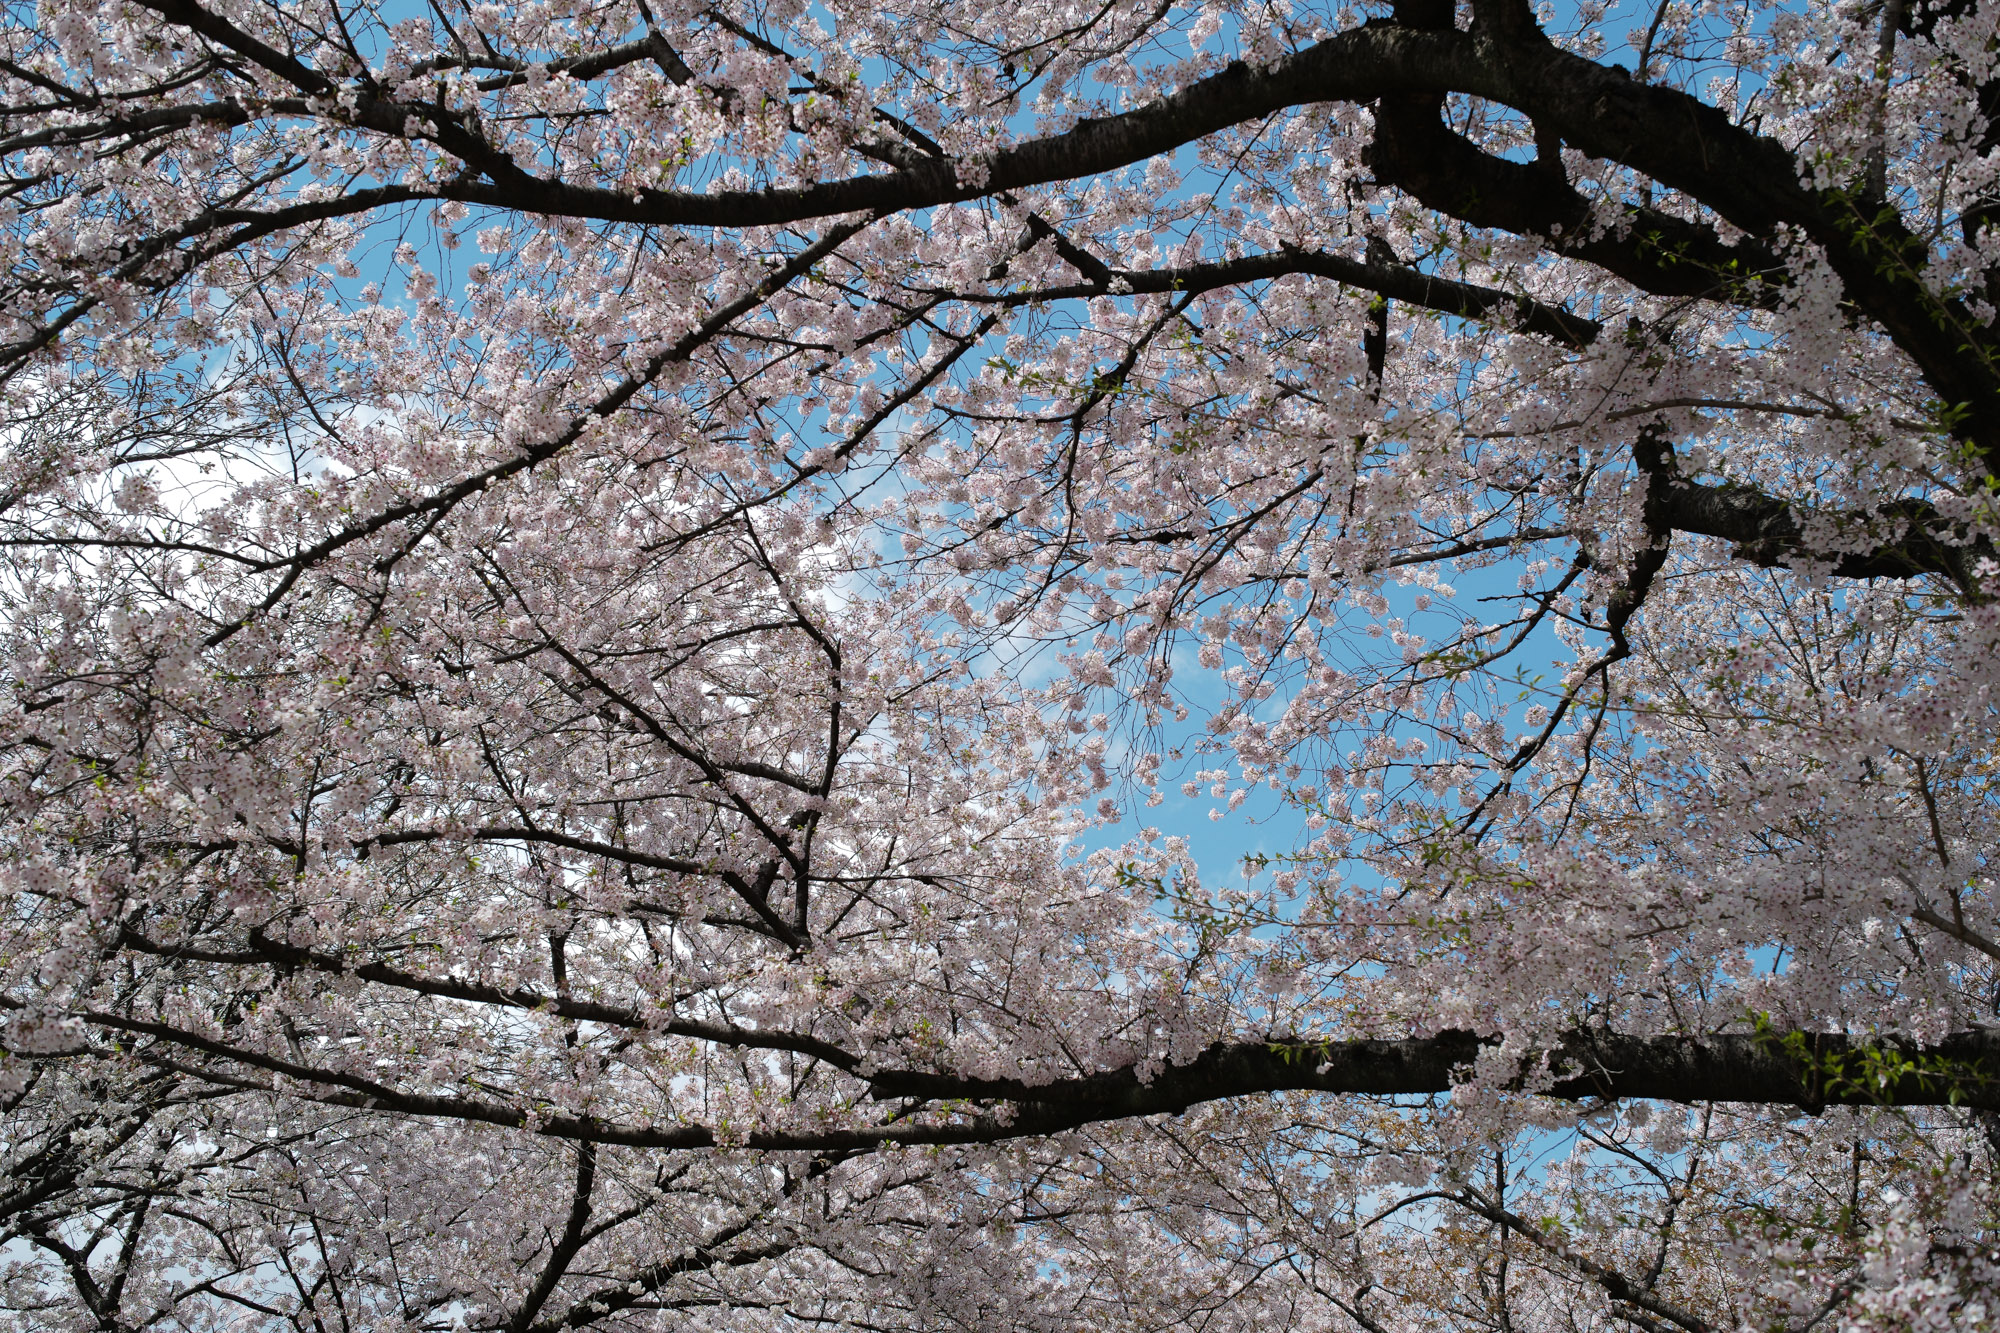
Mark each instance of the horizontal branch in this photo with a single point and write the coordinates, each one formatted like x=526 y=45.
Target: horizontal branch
x=1361 y=65
x=264 y=951
x=1904 y=540
x=1768 y=531
x=1411 y=286
x=1746 y=178
x=1807 y=1070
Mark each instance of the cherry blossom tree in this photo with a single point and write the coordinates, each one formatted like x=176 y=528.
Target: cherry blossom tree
x=605 y=599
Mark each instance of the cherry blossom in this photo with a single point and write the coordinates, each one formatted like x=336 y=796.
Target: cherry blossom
x=613 y=610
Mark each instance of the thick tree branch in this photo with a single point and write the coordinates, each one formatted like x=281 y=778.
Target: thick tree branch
x=1807 y=1070
x=1900 y=541
x=1749 y=180
x=1654 y=251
